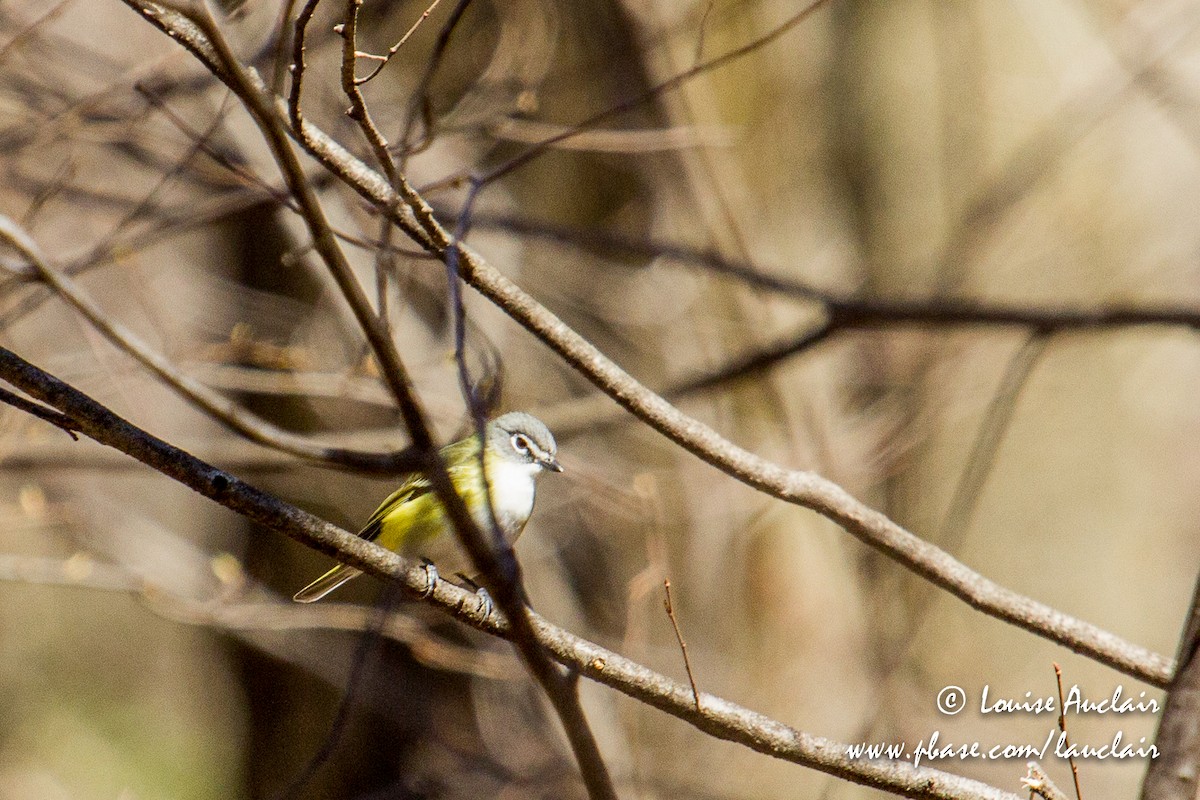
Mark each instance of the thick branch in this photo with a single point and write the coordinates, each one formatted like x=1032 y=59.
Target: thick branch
x=1175 y=775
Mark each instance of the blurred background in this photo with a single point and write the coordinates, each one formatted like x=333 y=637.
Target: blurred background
x=1039 y=155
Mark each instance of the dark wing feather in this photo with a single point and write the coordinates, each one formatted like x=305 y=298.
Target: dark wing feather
x=411 y=489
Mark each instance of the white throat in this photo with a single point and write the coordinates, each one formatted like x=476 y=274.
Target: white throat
x=512 y=484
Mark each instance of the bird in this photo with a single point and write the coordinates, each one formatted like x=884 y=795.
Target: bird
x=411 y=521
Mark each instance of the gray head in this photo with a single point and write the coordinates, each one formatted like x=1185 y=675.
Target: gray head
x=524 y=438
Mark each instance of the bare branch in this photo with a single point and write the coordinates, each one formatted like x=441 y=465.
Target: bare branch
x=810 y=490
x=794 y=486
x=719 y=717
x=383 y=60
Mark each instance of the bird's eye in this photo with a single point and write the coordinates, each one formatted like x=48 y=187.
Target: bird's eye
x=520 y=443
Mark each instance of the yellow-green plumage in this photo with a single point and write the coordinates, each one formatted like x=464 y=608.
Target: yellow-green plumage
x=411 y=520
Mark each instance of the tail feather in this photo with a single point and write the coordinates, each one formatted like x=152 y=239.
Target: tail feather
x=326 y=583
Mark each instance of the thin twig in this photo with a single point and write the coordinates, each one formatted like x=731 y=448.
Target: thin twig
x=1062 y=726
x=61 y=421
x=297 y=67
x=358 y=106
x=687 y=663
x=383 y=60
x=419 y=101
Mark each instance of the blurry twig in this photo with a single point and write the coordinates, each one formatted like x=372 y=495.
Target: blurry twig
x=32 y=28
x=217 y=406
x=337 y=728
x=231 y=452
x=982 y=456
x=280 y=57
x=290 y=383
x=654 y=91
x=234 y=614
x=199 y=143
x=420 y=97
x=654 y=140
x=853 y=312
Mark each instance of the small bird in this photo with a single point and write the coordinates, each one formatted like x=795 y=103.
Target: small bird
x=412 y=521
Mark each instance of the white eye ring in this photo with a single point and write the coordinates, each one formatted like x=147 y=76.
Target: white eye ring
x=520 y=443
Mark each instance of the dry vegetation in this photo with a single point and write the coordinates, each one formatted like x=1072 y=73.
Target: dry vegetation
x=920 y=273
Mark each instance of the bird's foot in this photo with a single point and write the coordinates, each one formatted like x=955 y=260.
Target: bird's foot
x=431 y=579
x=486 y=606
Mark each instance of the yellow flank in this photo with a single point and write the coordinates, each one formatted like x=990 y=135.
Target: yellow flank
x=411 y=517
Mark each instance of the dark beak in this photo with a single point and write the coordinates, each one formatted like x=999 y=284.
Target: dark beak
x=551 y=463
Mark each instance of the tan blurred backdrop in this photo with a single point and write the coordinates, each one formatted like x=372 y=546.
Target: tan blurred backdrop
x=1039 y=154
